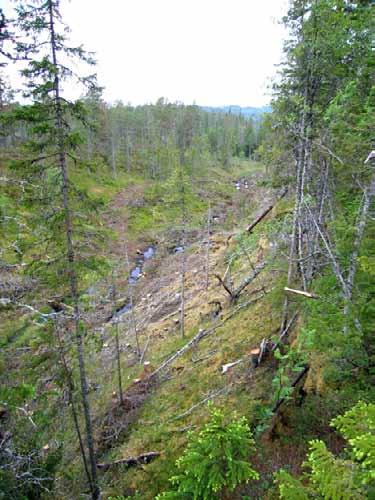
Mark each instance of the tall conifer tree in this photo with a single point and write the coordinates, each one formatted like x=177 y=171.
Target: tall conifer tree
x=48 y=154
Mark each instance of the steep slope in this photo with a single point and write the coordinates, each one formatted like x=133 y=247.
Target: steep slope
x=157 y=414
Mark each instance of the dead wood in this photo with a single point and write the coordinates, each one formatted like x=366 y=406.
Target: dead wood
x=294 y=384
x=183 y=429
x=203 y=358
x=174 y=313
x=258 y=354
x=262 y=350
x=199 y=336
x=145 y=349
x=334 y=261
x=265 y=212
x=301 y=292
x=144 y=458
x=246 y=282
x=228 y=366
x=207 y=398
x=285 y=332
x=224 y=285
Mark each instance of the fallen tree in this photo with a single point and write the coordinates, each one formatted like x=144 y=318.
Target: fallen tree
x=199 y=336
x=246 y=282
x=293 y=385
x=144 y=458
x=265 y=212
x=269 y=434
x=209 y=397
x=235 y=293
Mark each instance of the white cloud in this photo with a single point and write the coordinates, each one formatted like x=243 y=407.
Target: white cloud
x=212 y=52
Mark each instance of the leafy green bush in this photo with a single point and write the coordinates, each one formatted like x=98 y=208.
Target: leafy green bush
x=336 y=478
x=215 y=458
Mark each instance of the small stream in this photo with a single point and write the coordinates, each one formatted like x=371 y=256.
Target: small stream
x=241 y=184
x=134 y=276
x=136 y=272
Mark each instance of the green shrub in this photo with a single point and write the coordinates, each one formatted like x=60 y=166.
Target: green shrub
x=336 y=478
x=215 y=458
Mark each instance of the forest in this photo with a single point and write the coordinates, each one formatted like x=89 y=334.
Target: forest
x=187 y=293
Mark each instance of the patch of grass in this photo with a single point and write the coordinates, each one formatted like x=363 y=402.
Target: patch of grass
x=156 y=429
x=100 y=184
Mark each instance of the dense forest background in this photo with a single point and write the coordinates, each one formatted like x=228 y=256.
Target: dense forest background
x=187 y=293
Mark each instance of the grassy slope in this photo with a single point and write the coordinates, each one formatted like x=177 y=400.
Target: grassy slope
x=198 y=373
x=138 y=207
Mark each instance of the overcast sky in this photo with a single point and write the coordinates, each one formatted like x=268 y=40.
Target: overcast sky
x=212 y=52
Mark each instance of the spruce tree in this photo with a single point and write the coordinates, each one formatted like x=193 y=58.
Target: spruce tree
x=50 y=148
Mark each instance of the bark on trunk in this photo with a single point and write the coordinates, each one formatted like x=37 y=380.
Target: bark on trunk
x=71 y=258
x=265 y=212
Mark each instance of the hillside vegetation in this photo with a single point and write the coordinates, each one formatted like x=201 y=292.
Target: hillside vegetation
x=186 y=295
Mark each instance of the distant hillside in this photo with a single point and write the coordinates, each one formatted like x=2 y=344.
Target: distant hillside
x=239 y=110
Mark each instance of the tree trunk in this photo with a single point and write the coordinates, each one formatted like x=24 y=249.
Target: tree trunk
x=71 y=258
x=70 y=387
x=208 y=245
x=117 y=340
x=183 y=254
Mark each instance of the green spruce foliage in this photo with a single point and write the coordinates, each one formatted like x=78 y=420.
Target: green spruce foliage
x=215 y=459
x=348 y=476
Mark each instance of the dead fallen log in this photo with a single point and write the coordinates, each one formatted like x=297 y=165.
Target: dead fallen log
x=294 y=384
x=285 y=332
x=301 y=292
x=265 y=212
x=207 y=398
x=270 y=432
x=224 y=285
x=144 y=458
x=246 y=282
x=199 y=336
